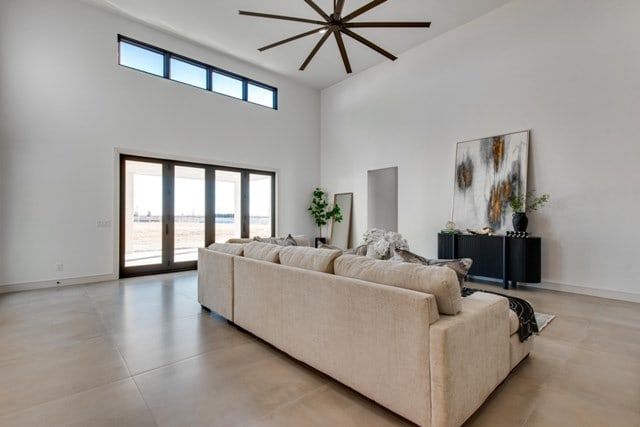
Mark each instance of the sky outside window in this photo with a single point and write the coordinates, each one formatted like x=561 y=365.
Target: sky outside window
x=190 y=74
x=260 y=95
x=141 y=59
x=226 y=85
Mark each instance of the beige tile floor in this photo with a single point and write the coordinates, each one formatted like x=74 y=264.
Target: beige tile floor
x=141 y=351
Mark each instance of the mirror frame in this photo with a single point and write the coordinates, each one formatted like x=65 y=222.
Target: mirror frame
x=341 y=231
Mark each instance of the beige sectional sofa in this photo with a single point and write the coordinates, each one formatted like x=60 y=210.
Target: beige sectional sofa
x=398 y=333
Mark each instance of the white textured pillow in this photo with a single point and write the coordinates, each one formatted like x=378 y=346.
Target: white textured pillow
x=263 y=251
x=309 y=258
x=441 y=282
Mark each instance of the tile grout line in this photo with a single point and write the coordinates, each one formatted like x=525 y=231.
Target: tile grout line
x=146 y=404
x=122 y=358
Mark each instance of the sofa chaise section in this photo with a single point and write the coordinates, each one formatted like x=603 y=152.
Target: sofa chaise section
x=469 y=342
x=372 y=338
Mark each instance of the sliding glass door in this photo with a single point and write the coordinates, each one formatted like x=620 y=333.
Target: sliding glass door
x=143 y=213
x=169 y=209
x=228 y=205
x=261 y=198
x=189 y=218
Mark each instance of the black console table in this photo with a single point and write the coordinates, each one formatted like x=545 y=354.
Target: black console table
x=511 y=259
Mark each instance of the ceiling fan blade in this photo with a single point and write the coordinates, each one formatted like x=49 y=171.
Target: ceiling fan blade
x=367 y=7
x=290 y=39
x=343 y=51
x=284 y=18
x=338 y=6
x=315 y=50
x=317 y=9
x=369 y=44
x=388 y=24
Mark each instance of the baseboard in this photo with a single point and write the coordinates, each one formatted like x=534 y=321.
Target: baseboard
x=582 y=290
x=29 y=286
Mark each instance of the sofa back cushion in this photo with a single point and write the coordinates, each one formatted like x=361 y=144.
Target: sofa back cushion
x=301 y=239
x=309 y=258
x=263 y=251
x=227 y=248
x=282 y=241
x=441 y=282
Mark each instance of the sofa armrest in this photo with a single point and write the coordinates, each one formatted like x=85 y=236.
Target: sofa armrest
x=469 y=357
x=215 y=282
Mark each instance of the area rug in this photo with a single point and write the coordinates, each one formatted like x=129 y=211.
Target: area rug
x=543 y=319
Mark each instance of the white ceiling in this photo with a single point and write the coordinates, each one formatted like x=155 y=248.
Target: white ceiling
x=217 y=24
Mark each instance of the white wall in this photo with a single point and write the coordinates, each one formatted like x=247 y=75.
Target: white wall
x=569 y=70
x=65 y=106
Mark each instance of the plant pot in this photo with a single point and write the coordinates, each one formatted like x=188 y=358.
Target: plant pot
x=320 y=240
x=520 y=221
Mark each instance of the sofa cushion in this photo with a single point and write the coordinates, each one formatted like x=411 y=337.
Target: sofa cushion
x=239 y=240
x=301 y=239
x=263 y=251
x=309 y=258
x=360 y=250
x=460 y=266
x=282 y=241
x=441 y=282
x=227 y=248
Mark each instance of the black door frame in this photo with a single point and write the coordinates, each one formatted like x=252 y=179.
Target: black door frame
x=168 y=221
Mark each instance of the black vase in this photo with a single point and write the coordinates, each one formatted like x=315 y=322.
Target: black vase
x=520 y=221
x=320 y=240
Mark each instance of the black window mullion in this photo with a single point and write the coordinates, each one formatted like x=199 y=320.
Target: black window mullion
x=209 y=79
x=167 y=65
x=244 y=204
x=273 y=204
x=245 y=90
x=168 y=202
x=209 y=206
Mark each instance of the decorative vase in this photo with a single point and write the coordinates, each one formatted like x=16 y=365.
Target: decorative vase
x=320 y=240
x=520 y=221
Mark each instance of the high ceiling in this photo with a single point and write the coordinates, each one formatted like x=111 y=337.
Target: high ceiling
x=217 y=24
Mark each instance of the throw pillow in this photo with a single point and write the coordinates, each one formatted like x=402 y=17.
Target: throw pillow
x=461 y=266
x=326 y=246
x=360 y=250
x=289 y=241
x=282 y=241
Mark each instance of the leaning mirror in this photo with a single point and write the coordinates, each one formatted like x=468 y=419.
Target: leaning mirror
x=341 y=231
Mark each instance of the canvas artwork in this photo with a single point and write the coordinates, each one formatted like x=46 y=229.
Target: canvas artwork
x=488 y=171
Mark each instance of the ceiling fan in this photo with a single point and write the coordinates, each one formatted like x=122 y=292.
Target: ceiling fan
x=337 y=25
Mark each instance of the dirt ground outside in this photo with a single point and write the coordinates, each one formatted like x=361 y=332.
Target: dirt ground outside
x=189 y=236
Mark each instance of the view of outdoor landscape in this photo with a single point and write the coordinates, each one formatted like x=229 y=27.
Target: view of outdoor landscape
x=143 y=210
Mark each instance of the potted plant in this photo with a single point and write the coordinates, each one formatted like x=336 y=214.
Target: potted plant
x=521 y=203
x=322 y=212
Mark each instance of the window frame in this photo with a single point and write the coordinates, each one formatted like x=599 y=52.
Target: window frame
x=209 y=69
x=168 y=177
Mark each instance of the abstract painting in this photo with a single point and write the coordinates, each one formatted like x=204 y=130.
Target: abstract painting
x=488 y=172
